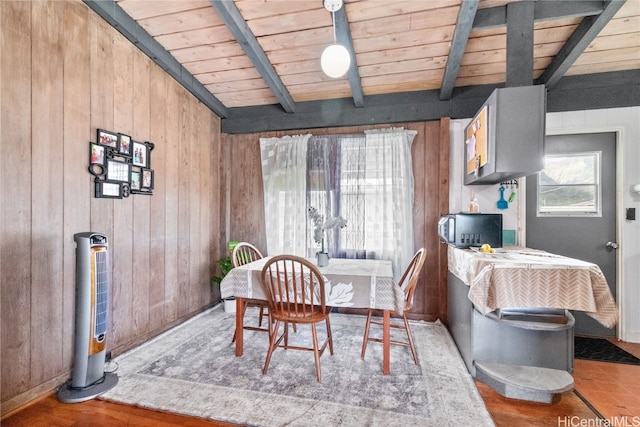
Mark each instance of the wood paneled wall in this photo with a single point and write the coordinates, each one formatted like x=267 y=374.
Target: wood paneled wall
x=64 y=72
x=430 y=156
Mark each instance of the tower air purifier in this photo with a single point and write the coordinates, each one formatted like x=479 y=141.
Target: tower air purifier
x=92 y=304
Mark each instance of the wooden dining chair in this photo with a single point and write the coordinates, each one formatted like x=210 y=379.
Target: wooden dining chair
x=408 y=284
x=295 y=289
x=244 y=253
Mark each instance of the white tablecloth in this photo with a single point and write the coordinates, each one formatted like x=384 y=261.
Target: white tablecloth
x=521 y=277
x=358 y=283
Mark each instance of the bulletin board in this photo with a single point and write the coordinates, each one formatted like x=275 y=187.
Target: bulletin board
x=476 y=141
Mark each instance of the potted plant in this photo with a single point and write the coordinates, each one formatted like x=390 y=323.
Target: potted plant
x=225 y=266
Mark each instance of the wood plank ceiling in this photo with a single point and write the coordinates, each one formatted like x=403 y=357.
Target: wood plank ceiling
x=245 y=54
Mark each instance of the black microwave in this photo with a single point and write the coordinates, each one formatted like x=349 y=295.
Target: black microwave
x=464 y=230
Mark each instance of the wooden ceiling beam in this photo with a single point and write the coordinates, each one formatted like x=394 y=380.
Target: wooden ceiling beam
x=520 y=55
x=577 y=43
x=519 y=44
x=464 y=23
x=128 y=27
x=343 y=36
x=585 y=92
x=543 y=11
x=231 y=16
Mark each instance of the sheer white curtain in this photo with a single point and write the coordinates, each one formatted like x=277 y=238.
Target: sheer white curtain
x=366 y=179
x=388 y=220
x=284 y=177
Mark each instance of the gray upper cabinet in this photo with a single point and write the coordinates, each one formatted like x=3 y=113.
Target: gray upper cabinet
x=505 y=140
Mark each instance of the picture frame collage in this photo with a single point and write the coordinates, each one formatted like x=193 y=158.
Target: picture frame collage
x=121 y=166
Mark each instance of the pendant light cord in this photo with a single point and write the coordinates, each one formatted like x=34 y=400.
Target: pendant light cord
x=335 y=39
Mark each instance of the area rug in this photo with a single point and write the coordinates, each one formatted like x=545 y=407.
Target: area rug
x=192 y=370
x=602 y=350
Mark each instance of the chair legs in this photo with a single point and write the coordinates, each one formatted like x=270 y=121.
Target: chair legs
x=410 y=339
x=366 y=335
x=404 y=326
x=316 y=353
x=261 y=315
x=329 y=336
x=274 y=342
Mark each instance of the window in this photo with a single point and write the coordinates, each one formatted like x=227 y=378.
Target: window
x=365 y=178
x=569 y=185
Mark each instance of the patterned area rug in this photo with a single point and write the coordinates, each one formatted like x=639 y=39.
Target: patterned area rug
x=192 y=370
x=602 y=350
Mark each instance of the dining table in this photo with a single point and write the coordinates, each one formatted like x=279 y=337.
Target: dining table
x=353 y=283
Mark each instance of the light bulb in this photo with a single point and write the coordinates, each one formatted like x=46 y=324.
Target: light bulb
x=335 y=60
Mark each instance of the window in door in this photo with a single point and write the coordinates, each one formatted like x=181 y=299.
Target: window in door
x=569 y=185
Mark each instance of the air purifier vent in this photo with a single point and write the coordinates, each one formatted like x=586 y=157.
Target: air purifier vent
x=102 y=296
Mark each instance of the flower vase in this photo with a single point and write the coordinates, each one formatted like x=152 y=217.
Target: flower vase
x=322 y=258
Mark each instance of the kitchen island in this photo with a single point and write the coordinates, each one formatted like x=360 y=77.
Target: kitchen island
x=508 y=313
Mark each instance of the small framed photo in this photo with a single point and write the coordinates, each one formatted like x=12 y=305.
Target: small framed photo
x=107 y=138
x=96 y=154
x=147 y=179
x=136 y=180
x=108 y=189
x=140 y=153
x=97 y=157
x=118 y=171
x=124 y=145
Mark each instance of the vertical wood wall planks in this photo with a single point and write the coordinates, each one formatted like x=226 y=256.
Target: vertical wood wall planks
x=123 y=236
x=47 y=170
x=77 y=187
x=195 y=176
x=15 y=202
x=158 y=115
x=140 y=95
x=184 y=223
x=171 y=176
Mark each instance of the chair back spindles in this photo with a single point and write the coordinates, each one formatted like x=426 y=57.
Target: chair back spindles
x=244 y=253
x=294 y=288
x=295 y=285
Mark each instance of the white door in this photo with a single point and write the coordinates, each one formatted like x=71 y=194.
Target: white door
x=568 y=214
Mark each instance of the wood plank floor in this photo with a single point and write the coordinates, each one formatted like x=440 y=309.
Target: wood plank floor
x=602 y=390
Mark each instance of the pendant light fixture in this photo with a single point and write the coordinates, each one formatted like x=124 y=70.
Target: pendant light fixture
x=335 y=59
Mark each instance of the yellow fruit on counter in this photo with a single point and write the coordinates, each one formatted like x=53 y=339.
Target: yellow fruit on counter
x=486 y=248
